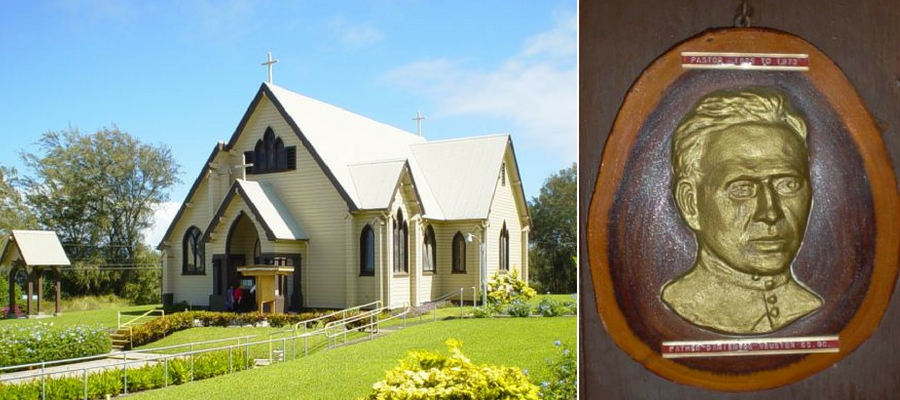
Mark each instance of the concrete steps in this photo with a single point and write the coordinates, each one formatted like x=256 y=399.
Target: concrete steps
x=121 y=339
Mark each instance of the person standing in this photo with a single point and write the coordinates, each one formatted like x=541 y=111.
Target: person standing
x=229 y=298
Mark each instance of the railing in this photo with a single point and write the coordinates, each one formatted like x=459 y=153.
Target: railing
x=242 y=348
x=332 y=333
x=334 y=330
x=120 y=325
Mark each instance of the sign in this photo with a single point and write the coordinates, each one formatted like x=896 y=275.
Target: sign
x=743 y=232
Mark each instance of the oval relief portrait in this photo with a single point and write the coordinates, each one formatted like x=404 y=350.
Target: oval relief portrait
x=743 y=232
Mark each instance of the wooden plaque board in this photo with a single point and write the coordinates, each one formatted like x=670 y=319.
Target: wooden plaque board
x=636 y=241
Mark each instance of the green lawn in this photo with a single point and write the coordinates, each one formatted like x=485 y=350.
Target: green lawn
x=106 y=317
x=349 y=372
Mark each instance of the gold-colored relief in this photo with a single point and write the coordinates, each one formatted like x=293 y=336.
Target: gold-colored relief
x=742 y=186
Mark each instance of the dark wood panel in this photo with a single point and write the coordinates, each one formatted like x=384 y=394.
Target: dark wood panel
x=618 y=39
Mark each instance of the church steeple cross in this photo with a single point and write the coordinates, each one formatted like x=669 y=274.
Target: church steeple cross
x=419 y=118
x=269 y=64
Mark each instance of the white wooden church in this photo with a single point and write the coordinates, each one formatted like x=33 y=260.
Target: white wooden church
x=363 y=211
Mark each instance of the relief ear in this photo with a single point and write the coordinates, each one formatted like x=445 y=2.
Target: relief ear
x=686 y=200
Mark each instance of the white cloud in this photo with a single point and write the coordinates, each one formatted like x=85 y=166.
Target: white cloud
x=162 y=217
x=356 y=35
x=536 y=89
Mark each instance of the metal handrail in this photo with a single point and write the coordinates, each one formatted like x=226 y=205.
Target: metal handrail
x=123 y=354
x=373 y=315
x=120 y=325
x=376 y=303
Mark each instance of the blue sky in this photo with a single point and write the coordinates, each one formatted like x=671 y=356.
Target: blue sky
x=182 y=73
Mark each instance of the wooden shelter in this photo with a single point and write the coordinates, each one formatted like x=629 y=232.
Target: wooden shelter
x=33 y=253
x=271 y=284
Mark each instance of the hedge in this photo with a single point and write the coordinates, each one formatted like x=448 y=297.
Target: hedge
x=112 y=382
x=159 y=328
x=41 y=341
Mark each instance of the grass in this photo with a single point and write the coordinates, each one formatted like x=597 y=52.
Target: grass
x=89 y=303
x=349 y=372
x=106 y=317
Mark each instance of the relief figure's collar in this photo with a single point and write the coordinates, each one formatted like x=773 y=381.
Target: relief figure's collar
x=722 y=271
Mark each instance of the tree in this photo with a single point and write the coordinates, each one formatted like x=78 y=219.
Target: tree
x=14 y=214
x=97 y=192
x=553 y=241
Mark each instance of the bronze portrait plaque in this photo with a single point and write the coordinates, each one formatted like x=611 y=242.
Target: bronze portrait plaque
x=743 y=232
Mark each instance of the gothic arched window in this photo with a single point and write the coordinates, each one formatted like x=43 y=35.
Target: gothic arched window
x=192 y=258
x=504 y=248
x=271 y=155
x=459 y=254
x=429 y=256
x=367 y=251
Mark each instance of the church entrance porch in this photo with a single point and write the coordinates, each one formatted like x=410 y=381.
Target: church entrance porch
x=244 y=248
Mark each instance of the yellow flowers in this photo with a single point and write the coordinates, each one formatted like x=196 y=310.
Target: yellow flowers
x=425 y=375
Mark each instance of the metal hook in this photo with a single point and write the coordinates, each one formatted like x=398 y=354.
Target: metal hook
x=742 y=19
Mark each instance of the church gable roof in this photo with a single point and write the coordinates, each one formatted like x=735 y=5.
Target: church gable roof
x=336 y=138
x=270 y=212
x=462 y=173
x=376 y=182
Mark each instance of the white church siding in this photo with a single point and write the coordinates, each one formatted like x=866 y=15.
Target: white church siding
x=504 y=210
x=315 y=204
x=193 y=289
x=450 y=281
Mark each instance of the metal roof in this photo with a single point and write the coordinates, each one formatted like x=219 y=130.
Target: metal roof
x=270 y=212
x=37 y=248
x=462 y=173
x=376 y=182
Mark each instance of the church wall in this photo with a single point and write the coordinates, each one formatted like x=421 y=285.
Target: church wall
x=366 y=286
x=400 y=283
x=504 y=209
x=447 y=280
x=191 y=288
x=315 y=204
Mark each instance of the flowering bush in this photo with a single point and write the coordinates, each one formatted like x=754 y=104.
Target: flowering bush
x=562 y=385
x=483 y=312
x=551 y=308
x=518 y=308
x=32 y=343
x=503 y=289
x=426 y=375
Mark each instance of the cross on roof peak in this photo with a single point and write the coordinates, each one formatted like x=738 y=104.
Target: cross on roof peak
x=269 y=64
x=419 y=118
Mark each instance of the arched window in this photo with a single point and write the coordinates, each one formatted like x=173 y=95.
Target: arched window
x=401 y=244
x=192 y=259
x=280 y=156
x=459 y=254
x=504 y=248
x=269 y=143
x=271 y=155
x=367 y=251
x=429 y=258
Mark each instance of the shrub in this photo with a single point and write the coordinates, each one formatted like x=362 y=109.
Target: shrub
x=426 y=375
x=483 y=312
x=31 y=343
x=551 y=308
x=151 y=376
x=506 y=288
x=563 y=370
x=158 y=328
x=518 y=309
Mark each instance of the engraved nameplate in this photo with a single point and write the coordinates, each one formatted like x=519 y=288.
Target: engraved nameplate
x=751 y=61
x=751 y=347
